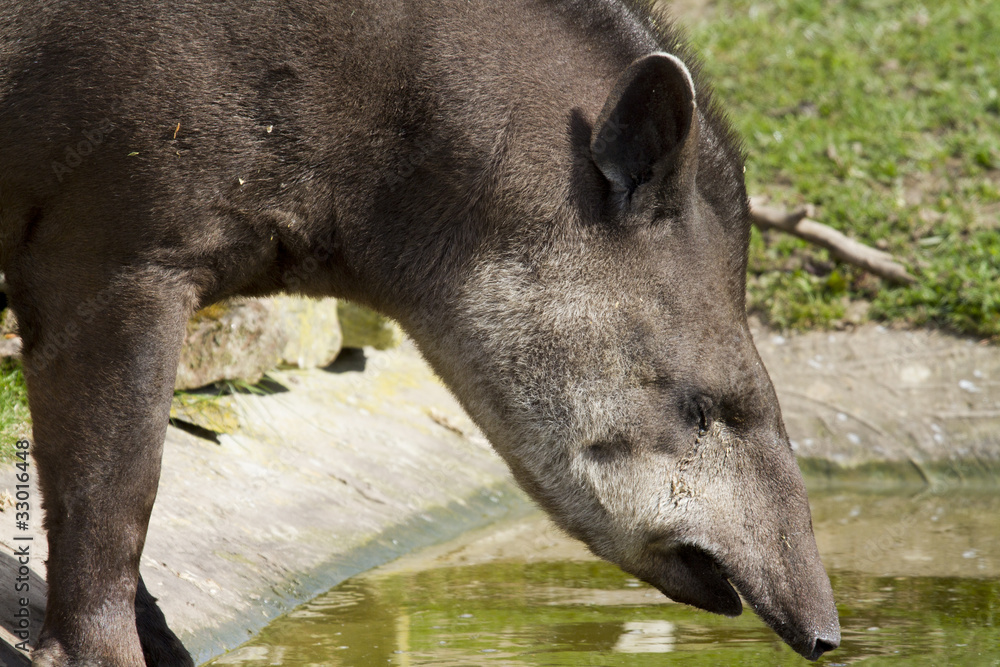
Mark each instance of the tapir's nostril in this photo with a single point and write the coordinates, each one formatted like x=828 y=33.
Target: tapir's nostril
x=822 y=645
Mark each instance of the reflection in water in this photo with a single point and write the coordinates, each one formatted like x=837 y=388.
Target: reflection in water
x=646 y=637
x=916 y=575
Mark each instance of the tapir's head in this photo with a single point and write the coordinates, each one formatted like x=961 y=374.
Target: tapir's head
x=604 y=349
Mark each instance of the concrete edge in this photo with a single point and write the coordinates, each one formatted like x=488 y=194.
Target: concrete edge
x=971 y=473
x=503 y=501
x=488 y=505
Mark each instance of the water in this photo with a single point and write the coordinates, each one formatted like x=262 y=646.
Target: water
x=916 y=574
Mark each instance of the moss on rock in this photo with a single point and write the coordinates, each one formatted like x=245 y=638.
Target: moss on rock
x=363 y=327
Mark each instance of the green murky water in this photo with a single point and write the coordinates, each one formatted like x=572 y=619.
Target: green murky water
x=916 y=574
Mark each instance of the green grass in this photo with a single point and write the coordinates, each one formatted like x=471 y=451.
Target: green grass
x=15 y=421
x=885 y=114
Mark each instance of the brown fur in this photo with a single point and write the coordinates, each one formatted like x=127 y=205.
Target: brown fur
x=540 y=197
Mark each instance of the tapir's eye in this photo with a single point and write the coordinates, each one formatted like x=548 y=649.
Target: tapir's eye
x=700 y=411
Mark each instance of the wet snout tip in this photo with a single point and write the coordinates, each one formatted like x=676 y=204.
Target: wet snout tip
x=822 y=644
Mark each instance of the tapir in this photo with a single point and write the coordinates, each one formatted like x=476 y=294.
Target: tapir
x=541 y=192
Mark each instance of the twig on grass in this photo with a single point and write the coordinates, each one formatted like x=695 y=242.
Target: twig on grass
x=843 y=248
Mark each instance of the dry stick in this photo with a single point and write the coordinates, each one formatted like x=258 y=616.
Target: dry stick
x=797 y=223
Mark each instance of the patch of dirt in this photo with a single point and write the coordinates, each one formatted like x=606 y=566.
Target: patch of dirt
x=873 y=396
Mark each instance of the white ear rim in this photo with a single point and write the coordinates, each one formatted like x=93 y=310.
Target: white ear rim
x=683 y=68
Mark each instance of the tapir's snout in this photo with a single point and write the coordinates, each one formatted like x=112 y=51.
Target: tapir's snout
x=783 y=580
x=827 y=642
x=732 y=521
x=818 y=637
x=792 y=592
x=799 y=608
x=809 y=625
x=812 y=643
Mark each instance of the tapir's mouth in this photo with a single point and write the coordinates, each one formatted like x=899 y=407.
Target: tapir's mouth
x=689 y=574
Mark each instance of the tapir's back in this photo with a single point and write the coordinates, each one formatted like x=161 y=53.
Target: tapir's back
x=220 y=70
x=181 y=121
x=153 y=121
x=243 y=135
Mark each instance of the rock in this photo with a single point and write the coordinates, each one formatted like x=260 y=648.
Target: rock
x=237 y=340
x=10 y=346
x=312 y=330
x=8 y=323
x=919 y=405
x=213 y=413
x=10 y=342
x=363 y=327
x=242 y=340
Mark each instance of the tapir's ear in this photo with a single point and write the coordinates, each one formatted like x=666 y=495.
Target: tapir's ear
x=645 y=122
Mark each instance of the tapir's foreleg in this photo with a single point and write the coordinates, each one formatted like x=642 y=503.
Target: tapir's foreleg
x=100 y=357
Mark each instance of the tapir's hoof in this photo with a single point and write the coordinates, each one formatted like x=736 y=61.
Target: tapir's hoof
x=159 y=650
x=49 y=654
